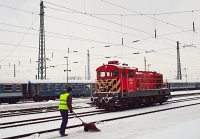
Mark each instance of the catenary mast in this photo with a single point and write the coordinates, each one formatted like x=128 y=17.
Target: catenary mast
x=179 y=75
x=42 y=56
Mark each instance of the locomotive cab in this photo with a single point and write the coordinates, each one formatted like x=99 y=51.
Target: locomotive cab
x=113 y=78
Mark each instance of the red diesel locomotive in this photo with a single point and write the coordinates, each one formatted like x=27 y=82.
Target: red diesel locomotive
x=119 y=87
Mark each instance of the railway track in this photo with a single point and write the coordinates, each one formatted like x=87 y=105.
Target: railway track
x=114 y=118
x=104 y=120
x=46 y=119
x=29 y=111
x=54 y=118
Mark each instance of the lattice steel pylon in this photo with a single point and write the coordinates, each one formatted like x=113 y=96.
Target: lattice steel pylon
x=179 y=75
x=42 y=56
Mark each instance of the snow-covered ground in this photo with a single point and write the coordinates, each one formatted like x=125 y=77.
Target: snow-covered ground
x=175 y=124
x=185 y=92
x=181 y=123
x=76 y=102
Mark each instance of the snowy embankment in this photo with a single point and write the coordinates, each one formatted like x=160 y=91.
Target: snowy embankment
x=6 y=107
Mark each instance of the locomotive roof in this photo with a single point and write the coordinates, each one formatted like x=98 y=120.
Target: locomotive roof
x=118 y=66
x=121 y=66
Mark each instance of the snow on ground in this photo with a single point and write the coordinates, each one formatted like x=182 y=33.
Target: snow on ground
x=185 y=92
x=181 y=123
x=76 y=102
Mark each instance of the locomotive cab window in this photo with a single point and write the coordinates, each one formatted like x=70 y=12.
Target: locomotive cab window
x=101 y=74
x=115 y=73
x=124 y=73
x=130 y=73
x=107 y=73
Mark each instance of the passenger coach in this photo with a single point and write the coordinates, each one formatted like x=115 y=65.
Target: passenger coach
x=14 y=90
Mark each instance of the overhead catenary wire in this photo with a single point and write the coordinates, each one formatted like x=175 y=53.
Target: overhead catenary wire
x=98 y=18
x=78 y=38
x=106 y=2
x=75 y=22
x=20 y=41
x=131 y=14
x=61 y=50
x=139 y=13
x=106 y=42
x=128 y=27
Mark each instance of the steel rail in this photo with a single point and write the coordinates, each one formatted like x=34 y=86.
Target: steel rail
x=105 y=120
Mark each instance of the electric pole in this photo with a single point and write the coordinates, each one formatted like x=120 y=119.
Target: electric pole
x=179 y=75
x=88 y=64
x=145 y=64
x=42 y=56
x=67 y=70
x=14 y=71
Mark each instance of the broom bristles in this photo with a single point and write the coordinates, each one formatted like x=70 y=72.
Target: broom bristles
x=90 y=127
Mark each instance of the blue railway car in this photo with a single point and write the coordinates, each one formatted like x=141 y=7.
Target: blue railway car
x=14 y=90
x=45 y=90
x=82 y=88
x=178 y=85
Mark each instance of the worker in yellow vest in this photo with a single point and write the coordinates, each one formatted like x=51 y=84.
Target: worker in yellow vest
x=65 y=105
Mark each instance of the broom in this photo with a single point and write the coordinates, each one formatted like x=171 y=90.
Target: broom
x=87 y=126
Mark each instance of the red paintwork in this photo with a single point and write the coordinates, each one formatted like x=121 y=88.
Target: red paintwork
x=141 y=80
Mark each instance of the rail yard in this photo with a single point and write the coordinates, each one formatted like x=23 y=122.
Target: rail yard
x=99 y=69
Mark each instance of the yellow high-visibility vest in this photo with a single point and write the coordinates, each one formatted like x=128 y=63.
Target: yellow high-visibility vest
x=63 y=102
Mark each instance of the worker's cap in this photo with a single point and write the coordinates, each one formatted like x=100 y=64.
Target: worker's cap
x=69 y=89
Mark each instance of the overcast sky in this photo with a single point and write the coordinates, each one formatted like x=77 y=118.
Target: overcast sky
x=82 y=25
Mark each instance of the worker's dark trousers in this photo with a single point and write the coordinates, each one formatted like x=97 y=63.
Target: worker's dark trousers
x=64 y=114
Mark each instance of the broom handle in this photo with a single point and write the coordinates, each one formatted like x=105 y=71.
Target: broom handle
x=78 y=117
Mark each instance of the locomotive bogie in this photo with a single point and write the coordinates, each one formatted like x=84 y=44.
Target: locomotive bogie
x=128 y=100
